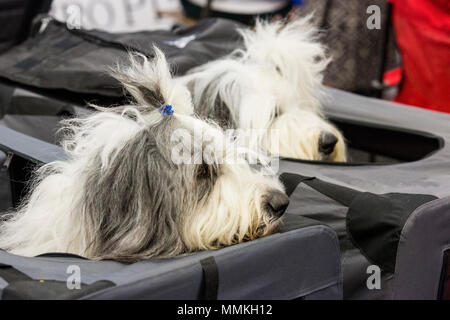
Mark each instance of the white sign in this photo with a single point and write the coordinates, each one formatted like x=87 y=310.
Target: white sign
x=115 y=15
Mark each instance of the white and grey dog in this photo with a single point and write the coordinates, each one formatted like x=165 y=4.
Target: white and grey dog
x=120 y=195
x=274 y=84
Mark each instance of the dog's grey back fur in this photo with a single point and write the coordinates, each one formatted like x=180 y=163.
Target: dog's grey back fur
x=139 y=177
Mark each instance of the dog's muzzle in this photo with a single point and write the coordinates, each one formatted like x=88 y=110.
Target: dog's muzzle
x=327 y=142
x=276 y=203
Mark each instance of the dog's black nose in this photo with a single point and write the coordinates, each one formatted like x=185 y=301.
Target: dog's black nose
x=277 y=203
x=327 y=142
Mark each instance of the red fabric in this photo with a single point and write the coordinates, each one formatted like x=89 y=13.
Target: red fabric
x=393 y=77
x=422 y=29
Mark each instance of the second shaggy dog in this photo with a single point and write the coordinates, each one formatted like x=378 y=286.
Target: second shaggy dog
x=273 y=84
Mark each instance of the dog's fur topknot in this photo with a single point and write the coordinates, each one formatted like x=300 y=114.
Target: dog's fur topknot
x=150 y=82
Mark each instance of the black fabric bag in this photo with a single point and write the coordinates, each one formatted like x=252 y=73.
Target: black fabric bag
x=367 y=224
x=16 y=17
x=57 y=71
x=77 y=61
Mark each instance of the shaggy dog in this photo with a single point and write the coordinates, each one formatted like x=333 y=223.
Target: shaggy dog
x=124 y=193
x=274 y=84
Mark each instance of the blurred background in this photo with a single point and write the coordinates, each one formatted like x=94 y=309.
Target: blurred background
x=396 y=50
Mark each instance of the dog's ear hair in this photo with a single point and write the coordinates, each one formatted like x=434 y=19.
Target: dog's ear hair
x=150 y=82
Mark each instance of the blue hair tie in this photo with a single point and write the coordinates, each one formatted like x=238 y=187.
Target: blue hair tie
x=297 y=3
x=166 y=110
